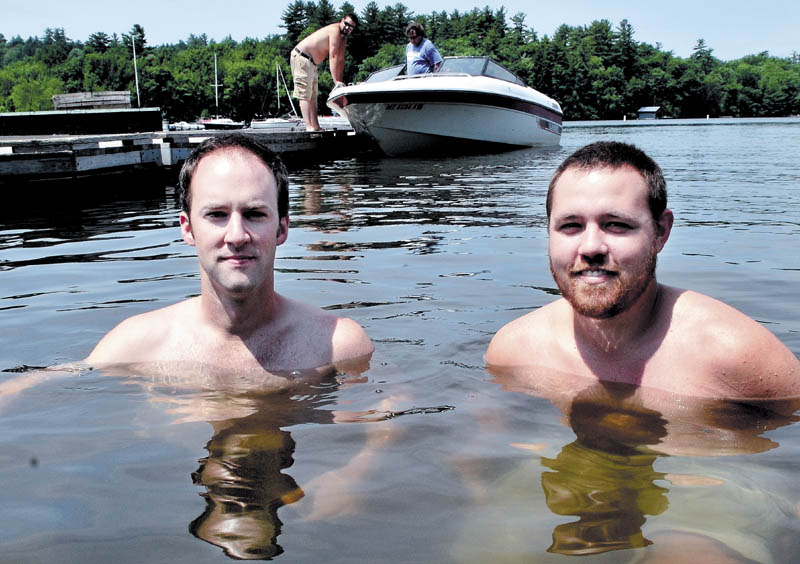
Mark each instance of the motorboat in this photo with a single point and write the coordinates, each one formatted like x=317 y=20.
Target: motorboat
x=220 y=123
x=471 y=103
x=184 y=126
x=278 y=125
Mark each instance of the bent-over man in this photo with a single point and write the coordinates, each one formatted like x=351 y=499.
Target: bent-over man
x=329 y=41
x=607 y=221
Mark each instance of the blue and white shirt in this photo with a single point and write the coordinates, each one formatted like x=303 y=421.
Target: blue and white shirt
x=421 y=59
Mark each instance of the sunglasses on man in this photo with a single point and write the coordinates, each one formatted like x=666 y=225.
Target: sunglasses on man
x=348 y=25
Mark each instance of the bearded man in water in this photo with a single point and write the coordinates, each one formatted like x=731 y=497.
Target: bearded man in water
x=607 y=221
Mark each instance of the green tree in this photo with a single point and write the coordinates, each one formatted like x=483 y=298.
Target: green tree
x=135 y=36
x=33 y=95
x=98 y=42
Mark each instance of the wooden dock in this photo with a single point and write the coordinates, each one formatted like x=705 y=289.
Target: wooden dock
x=31 y=158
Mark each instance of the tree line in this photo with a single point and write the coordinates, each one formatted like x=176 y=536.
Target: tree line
x=596 y=71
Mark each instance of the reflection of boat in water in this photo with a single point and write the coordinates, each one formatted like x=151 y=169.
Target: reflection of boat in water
x=472 y=102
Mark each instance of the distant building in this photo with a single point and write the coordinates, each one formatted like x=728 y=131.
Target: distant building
x=650 y=112
x=93 y=100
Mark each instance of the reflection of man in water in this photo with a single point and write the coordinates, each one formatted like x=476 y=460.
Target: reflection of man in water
x=607 y=222
x=244 y=489
x=243 y=476
x=234 y=198
x=606 y=478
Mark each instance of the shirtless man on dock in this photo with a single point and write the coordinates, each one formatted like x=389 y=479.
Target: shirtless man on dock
x=234 y=199
x=607 y=222
x=330 y=41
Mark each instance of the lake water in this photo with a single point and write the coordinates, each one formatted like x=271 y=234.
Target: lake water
x=431 y=257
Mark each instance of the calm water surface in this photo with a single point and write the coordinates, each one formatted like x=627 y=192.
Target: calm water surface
x=431 y=257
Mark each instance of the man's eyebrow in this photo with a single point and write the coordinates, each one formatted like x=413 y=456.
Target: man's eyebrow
x=605 y=215
x=254 y=204
x=620 y=215
x=212 y=205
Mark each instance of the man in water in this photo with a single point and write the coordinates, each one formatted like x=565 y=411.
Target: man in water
x=329 y=41
x=421 y=55
x=235 y=212
x=607 y=222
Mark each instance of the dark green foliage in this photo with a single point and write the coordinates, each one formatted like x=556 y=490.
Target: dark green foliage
x=597 y=71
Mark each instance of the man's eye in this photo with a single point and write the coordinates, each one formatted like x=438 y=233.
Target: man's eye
x=570 y=227
x=255 y=214
x=618 y=226
x=216 y=215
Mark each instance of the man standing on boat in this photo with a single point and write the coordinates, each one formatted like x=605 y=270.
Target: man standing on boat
x=421 y=54
x=330 y=41
x=607 y=222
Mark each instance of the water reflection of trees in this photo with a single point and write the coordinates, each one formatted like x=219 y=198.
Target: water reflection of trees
x=80 y=211
x=480 y=190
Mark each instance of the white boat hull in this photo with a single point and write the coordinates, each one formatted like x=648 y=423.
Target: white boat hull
x=449 y=113
x=278 y=125
x=449 y=127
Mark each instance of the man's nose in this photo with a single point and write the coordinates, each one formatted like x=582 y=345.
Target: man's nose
x=593 y=242
x=236 y=233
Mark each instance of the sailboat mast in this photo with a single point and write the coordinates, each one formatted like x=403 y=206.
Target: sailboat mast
x=216 y=85
x=136 y=71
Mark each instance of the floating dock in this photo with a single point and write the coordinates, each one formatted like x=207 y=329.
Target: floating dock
x=30 y=158
x=77 y=144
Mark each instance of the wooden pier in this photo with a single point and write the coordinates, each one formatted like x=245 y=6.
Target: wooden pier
x=32 y=158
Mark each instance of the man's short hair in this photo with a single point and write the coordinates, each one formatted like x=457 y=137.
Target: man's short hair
x=227 y=142
x=416 y=27
x=352 y=16
x=614 y=154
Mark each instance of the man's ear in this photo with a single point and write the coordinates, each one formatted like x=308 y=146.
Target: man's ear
x=283 y=230
x=186 y=229
x=664 y=228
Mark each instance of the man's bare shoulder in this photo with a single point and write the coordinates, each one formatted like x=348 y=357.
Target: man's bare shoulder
x=747 y=358
x=350 y=342
x=345 y=337
x=142 y=337
x=532 y=334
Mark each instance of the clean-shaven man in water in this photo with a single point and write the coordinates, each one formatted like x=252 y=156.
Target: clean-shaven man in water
x=607 y=222
x=329 y=41
x=235 y=201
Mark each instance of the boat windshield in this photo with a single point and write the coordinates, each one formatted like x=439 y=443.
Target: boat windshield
x=473 y=66
x=478 y=66
x=385 y=74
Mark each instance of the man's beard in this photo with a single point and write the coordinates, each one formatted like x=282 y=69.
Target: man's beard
x=606 y=300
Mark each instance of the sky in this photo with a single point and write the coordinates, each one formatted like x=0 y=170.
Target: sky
x=732 y=28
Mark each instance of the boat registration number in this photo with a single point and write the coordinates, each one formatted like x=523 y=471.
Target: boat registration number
x=408 y=106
